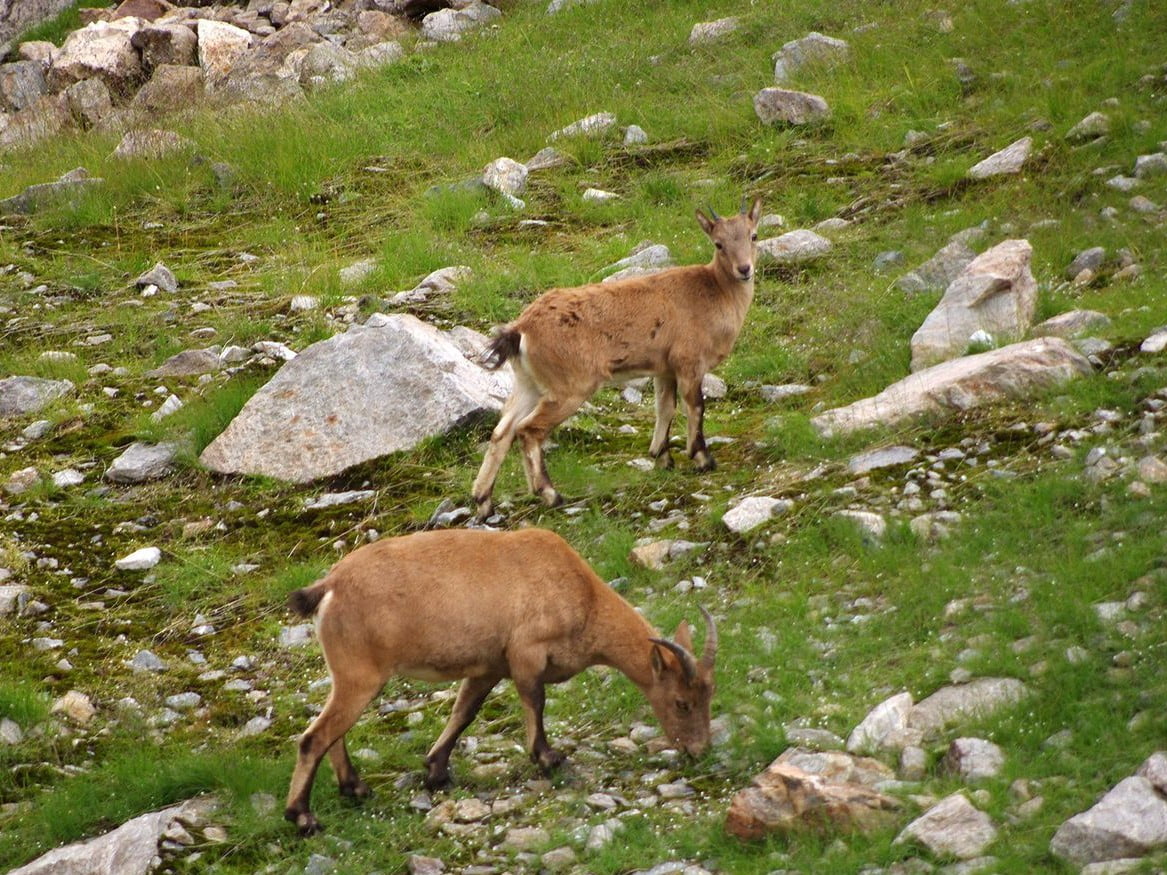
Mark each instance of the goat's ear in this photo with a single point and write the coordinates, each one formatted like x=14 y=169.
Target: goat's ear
x=659 y=667
x=705 y=222
x=756 y=212
x=684 y=635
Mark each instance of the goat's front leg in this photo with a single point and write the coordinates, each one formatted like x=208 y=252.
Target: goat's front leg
x=471 y=695
x=695 y=416
x=533 y=698
x=665 y=399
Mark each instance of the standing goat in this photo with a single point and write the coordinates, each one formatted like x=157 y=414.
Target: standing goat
x=676 y=325
x=482 y=606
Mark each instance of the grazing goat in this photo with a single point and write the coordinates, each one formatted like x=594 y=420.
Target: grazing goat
x=676 y=325
x=482 y=606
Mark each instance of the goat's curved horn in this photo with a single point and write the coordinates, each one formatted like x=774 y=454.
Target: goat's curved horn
x=688 y=663
x=713 y=212
x=710 y=653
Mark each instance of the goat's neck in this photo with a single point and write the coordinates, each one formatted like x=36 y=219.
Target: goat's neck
x=622 y=641
x=739 y=291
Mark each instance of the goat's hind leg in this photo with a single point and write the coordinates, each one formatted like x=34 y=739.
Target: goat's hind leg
x=471 y=695
x=523 y=399
x=347 y=779
x=349 y=697
x=533 y=430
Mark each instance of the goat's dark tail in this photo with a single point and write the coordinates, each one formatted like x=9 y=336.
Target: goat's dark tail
x=304 y=601
x=505 y=346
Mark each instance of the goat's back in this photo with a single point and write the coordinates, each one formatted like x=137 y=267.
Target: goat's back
x=448 y=604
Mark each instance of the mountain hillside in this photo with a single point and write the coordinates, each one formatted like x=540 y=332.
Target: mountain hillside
x=174 y=238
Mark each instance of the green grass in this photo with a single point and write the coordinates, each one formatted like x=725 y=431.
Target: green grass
x=817 y=624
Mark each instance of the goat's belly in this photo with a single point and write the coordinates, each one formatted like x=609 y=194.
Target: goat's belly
x=442 y=673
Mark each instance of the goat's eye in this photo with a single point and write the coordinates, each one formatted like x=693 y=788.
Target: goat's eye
x=754 y=237
x=718 y=245
x=683 y=706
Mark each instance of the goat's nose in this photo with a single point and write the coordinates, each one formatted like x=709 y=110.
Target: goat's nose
x=744 y=271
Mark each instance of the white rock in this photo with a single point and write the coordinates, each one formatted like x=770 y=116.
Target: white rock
x=599 y=196
x=589 y=126
x=774 y=105
x=505 y=175
x=706 y=32
x=1008 y=160
x=1015 y=371
x=751 y=512
x=793 y=247
x=951 y=827
x=221 y=46
x=812 y=49
x=140 y=560
x=889 y=716
x=995 y=295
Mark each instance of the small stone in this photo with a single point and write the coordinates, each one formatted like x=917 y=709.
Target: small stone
x=144 y=660
x=140 y=560
x=1008 y=160
x=751 y=512
x=76 y=706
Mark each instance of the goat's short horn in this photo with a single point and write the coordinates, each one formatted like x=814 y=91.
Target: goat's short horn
x=688 y=663
x=713 y=212
x=745 y=198
x=710 y=653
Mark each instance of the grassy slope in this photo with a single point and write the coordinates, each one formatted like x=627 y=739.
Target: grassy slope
x=306 y=205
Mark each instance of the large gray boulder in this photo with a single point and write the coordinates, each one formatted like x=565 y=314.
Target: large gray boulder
x=21 y=395
x=21 y=83
x=355 y=397
x=996 y=293
x=16 y=16
x=128 y=850
x=1129 y=821
x=1015 y=371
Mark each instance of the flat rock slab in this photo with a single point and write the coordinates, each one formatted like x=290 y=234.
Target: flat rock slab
x=952 y=827
x=127 y=850
x=1129 y=821
x=785 y=798
x=1008 y=160
x=21 y=395
x=355 y=397
x=1015 y=371
x=995 y=293
x=884 y=457
x=1075 y=323
x=976 y=699
x=793 y=247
